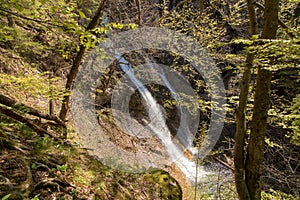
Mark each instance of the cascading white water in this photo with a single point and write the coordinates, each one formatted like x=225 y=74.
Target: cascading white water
x=158 y=124
x=140 y=148
x=184 y=134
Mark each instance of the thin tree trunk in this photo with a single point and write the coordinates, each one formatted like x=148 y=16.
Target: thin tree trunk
x=255 y=156
x=51 y=100
x=76 y=63
x=281 y=23
x=241 y=130
x=138 y=5
x=270 y=19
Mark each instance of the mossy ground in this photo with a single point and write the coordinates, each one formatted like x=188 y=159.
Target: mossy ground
x=35 y=167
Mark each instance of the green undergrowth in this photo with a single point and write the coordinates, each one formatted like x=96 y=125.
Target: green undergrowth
x=35 y=167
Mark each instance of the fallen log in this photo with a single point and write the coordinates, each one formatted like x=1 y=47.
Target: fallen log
x=16 y=116
x=7 y=101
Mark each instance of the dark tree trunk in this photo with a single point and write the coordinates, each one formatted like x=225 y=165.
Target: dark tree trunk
x=248 y=172
x=255 y=154
x=75 y=67
x=241 y=130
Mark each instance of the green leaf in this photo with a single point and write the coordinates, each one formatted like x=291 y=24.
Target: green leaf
x=255 y=37
x=82 y=15
x=6 y=197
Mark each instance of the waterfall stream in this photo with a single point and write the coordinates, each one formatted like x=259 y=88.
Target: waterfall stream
x=158 y=124
x=184 y=134
x=155 y=136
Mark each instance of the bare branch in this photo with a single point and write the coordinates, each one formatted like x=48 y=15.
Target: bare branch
x=29 y=110
x=28 y=122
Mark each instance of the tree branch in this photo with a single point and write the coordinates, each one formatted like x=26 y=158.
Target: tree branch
x=30 y=19
x=29 y=110
x=28 y=122
x=223 y=163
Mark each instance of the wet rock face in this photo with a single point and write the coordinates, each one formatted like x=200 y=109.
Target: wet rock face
x=163 y=98
x=137 y=106
x=102 y=99
x=139 y=111
x=105 y=87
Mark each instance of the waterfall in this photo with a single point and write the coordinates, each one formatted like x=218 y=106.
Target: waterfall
x=158 y=124
x=184 y=134
x=157 y=119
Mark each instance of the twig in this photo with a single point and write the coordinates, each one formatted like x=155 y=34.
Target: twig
x=223 y=163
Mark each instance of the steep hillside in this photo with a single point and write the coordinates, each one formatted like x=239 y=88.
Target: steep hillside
x=43 y=44
x=41 y=167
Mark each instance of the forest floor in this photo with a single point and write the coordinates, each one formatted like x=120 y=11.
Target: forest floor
x=42 y=167
x=35 y=167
